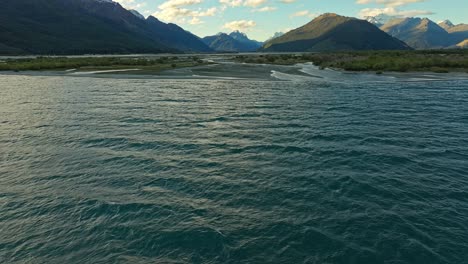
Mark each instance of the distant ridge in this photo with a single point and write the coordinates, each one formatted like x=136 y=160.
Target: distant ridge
x=463 y=44
x=379 y=20
x=276 y=35
x=137 y=14
x=423 y=33
x=234 y=42
x=332 y=32
x=446 y=24
x=86 y=27
x=419 y=33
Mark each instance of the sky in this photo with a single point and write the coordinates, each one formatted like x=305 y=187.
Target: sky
x=260 y=19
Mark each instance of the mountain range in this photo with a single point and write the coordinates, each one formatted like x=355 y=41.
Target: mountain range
x=423 y=33
x=331 y=32
x=419 y=33
x=458 y=33
x=234 y=42
x=87 y=26
x=104 y=26
x=379 y=20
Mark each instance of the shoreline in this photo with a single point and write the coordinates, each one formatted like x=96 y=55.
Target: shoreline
x=369 y=62
x=436 y=61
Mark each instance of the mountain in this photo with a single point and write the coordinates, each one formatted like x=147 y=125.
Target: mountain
x=422 y=33
x=419 y=33
x=458 y=28
x=458 y=33
x=463 y=44
x=331 y=32
x=379 y=20
x=176 y=37
x=234 y=42
x=446 y=24
x=137 y=14
x=277 y=34
x=86 y=26
x=242 y=38
x=451 y=28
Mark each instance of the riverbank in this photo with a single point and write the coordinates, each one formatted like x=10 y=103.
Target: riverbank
x=439 y=61
x=142 y=64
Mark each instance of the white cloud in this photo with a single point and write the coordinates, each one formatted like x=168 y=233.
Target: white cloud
x=241 y=25
x=288 y=1
x=177 y=11
x=265 y=9
x=178 y=3
x=254 y=3
x=195 y=21
x=171 y=14
x=391 y=11
x=303 y=13
x=125 y=2
x=232 y=3
x=300 y=13
x=389 y=3
x=130 y=4
x=237 y=3
x=391 y=8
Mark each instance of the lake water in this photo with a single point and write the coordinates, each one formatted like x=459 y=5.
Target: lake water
x=261 y=166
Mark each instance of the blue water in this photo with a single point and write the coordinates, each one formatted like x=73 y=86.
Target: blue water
x=112 y=170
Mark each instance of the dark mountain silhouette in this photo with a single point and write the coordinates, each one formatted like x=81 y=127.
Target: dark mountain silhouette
x=331 y=32
x=234 y=42
x=86 y=26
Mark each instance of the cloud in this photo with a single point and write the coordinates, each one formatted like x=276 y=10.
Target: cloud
x=178 y=3
x=241 y=25
x=177 y=11
x=265 y=9
x=393 y=12
x=288 y=1
x=195 y=21
x=254 y=3
x=249 y=3
x=391 y=8
x=130 y=4
x=232 y=3
x=389 y=3
x=303 y=13
x=300 y=13
x=172 y=14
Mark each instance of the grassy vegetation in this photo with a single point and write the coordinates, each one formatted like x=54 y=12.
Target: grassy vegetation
x=97 y=63
x=379 y=61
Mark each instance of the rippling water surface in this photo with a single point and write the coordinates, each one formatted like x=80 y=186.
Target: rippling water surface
x=111 y=170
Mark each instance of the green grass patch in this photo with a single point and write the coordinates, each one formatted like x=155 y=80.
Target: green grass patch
x=97 y=63
x=379 y=61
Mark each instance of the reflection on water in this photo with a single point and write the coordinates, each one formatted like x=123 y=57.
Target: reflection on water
x=324 y=167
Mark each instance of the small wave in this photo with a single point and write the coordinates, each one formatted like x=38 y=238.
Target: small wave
x=105 y=142
x=271 y=148
x=139 y=120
